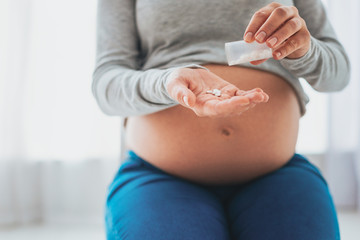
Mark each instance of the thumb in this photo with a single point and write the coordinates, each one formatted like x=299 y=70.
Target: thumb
x=185 y=96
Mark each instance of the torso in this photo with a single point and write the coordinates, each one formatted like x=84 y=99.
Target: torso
x=222 y=150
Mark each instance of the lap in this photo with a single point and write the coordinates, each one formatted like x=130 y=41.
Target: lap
x=292 y=202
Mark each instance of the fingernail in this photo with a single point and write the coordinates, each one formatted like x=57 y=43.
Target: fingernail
x=261 y=36
x=248 y=36
x=272 y=41
x=186 y=100
x=240 y=92
x=278 y=54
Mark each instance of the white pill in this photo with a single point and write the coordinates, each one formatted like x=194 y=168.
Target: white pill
x=216 y=91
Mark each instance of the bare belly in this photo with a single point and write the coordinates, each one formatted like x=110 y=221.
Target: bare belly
x=222 y=150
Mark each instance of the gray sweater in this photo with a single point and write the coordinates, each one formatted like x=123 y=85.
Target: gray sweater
x=139 y=43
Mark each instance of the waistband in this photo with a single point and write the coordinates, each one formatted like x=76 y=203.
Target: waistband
x=297 y=160
x=132 y=156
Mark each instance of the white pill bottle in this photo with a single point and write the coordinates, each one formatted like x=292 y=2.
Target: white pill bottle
x=242 y=52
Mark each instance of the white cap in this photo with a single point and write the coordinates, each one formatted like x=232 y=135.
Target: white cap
x=242 y=52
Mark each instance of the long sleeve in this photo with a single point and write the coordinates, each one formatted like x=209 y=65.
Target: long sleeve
x=326 y=65
x=119 y=87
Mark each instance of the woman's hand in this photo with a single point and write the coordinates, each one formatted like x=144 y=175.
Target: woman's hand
x=283 y=30
x=189 y=86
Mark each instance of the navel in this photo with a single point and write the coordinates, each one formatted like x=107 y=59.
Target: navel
x=226 y=132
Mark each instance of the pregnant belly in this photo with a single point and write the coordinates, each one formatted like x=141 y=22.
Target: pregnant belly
x=222 y=150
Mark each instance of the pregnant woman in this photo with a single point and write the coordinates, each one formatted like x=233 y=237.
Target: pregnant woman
x=204 y=166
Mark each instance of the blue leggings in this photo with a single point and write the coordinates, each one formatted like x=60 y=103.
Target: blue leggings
x=293 y=202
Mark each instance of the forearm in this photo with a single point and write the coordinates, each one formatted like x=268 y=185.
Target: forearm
x=125 y=92
x=325 y=66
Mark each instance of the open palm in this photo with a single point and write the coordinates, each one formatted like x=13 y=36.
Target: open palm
x=189 y=87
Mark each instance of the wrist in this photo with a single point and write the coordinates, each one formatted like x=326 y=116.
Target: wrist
x=299 y=53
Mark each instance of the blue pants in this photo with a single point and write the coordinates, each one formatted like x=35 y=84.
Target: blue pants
x=291 y=203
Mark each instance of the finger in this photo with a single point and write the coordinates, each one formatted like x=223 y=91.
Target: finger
x=240 y=92
x=184 y=96
x=292 y=44
x=277 y=18
x=240 y=109
x=258 y=20
x=244 y=93
x=291 y=27
x=229 y=105
x=257 y=96
x=259 y=90
x=230 y=90
x=266 y=97
x=257 y=62
x=221 y=108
